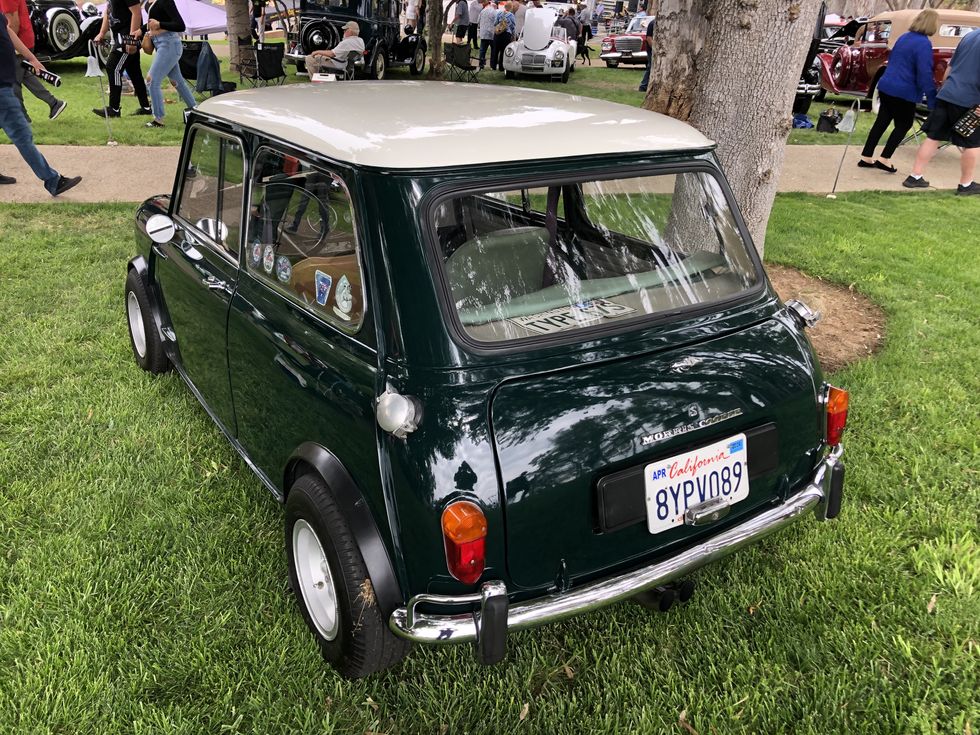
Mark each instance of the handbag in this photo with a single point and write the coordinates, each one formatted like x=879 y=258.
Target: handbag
x=968 y=124
x=828 y=120
x=501 y=27
x=147 y=44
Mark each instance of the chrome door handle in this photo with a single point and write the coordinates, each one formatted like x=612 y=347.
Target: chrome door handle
x=214 y=284
x=160 y=252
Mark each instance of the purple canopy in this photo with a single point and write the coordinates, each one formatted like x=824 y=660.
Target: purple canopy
x=200 y=18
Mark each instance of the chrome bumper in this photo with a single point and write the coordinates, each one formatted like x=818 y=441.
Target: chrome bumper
x=408 y=623
x=618 y=56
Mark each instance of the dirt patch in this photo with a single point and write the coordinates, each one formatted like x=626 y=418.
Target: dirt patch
x=851 y=327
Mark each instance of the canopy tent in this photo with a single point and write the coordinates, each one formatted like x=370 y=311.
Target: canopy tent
x=200 y=18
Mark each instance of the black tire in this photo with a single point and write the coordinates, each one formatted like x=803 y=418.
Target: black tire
x=612 y=64
x=63 y=30
x=379 y=64
x=417 y=66
x=361 y=644
x=139 y=314
x=564 y=76
x=510 y=75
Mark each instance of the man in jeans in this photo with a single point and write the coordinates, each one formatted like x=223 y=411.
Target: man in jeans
x=12 y=119
x=19 y=23
x=959 y=94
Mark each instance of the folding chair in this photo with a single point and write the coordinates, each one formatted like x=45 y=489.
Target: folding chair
x=260 y=65
x=459 y=63
x=352 y=57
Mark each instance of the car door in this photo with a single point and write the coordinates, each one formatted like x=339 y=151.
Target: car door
x=300 y=340
x=874 y=51
x=197 y=270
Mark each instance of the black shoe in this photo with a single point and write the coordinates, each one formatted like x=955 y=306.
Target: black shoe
x=154 y=124
x=7 y=179
x=144 y=111
x=884 y=167
x=970 y=189
x=865 y=164
x=64 y=184
x=106 y=112
x=913 y=183
x=56 y=109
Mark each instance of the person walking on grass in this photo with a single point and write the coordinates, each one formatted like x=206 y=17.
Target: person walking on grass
x=165 y=25
x=19 y=23
x=959 y=95
x=907 y=79
x=14 y=123
x=121 y=22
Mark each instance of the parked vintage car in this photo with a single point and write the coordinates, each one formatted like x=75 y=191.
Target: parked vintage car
x=385 y=47
x=543 y=49
x=628 y=47
x=505 y=356
x=855 y=68
x=62 y=30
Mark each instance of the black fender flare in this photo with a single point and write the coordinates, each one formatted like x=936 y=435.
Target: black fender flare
x=358 y=515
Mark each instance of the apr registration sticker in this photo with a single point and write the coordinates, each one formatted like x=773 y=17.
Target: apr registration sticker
x=582 y=314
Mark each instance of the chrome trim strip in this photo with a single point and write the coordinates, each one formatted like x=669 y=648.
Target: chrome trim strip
x=408 y=623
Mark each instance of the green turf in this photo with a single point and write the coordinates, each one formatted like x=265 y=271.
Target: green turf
x=142 y=574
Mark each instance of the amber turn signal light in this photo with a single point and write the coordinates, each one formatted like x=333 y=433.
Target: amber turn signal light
x=837 y=402
x=464 y=531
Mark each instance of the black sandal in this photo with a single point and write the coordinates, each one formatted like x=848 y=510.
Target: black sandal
x=885 y=167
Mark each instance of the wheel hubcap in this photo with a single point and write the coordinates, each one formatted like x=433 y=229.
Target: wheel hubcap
x=315 y=580
x=136 y=329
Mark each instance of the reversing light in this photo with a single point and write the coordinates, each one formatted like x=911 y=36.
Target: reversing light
x=837 y=400
x=464 y=532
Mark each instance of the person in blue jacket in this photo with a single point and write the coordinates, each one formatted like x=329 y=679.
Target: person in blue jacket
x=907 y=79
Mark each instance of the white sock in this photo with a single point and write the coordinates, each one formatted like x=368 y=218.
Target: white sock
x=966 y=184
x=916 y=176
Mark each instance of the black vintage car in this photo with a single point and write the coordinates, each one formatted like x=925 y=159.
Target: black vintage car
x=319 y=27
x=63 y=31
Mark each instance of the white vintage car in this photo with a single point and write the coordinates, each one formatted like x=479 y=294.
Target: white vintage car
x=543 y=49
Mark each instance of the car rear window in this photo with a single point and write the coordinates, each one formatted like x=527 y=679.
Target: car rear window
x=523 y=263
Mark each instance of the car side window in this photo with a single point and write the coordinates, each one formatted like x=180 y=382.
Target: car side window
x=302 y=239
x=213 y=189
x=878 y=32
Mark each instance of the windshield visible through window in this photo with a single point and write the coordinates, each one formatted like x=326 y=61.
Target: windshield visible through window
x=523 y=263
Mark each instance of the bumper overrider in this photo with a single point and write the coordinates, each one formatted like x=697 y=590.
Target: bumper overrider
x=489 y=625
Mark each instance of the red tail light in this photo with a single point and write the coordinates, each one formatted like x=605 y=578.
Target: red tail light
x=837 y=400
x=464 y=531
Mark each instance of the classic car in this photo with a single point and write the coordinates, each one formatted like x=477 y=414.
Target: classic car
x=62 y=30
x=629 y=47
x=495 y=379
x=855 y=68
x=543 y=49
x=318 y=26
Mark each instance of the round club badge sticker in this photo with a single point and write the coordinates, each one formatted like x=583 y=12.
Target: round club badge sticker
x=256 y=254
x=284 y=271
x=269 y=259
x=344 y=299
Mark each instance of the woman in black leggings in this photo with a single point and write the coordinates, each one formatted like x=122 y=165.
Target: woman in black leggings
x=907 y=79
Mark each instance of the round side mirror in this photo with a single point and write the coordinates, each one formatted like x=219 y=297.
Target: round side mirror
x=160 y=228
x=213 y=228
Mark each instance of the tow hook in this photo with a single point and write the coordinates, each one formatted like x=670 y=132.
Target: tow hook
x=663 y=598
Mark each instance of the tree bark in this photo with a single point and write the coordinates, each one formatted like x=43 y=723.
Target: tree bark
x=239 y=14
x=730 y=68
x=435 y=25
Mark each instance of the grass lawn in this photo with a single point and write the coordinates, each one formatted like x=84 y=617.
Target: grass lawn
x=78 y=126
x=142 y=575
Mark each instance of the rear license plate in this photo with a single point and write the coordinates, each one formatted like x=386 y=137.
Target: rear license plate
x=677 y=483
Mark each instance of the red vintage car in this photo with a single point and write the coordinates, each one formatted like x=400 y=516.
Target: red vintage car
x=856 y=67
x=628 y=47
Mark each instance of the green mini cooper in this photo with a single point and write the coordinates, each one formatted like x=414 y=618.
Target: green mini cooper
x=505 y=355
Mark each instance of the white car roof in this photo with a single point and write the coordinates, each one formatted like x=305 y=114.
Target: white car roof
x=418 y=125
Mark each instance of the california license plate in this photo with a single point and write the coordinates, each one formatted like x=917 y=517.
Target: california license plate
x=673 y=485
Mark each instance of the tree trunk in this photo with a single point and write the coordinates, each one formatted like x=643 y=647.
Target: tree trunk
x=239 y=14
x=435 y=23
x=730 y=68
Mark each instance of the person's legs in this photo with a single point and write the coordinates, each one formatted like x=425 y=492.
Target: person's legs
x=36 y=87
x=903 y=113
x=114 y=70
x=926 y=151
x=645 y=82
x=166 y=57
x=135 y=72
x=968 y=164
x=473 y=40
x=496 y=51
x=15 y=125
x=485 y=44
x=19 y=72
x=881 y=123
x=183 y=88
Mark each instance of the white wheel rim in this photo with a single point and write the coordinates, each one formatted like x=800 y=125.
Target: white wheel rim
x=136 y=329
x=315 y=581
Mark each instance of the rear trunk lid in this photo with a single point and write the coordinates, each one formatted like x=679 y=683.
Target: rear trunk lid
x=572 y=446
